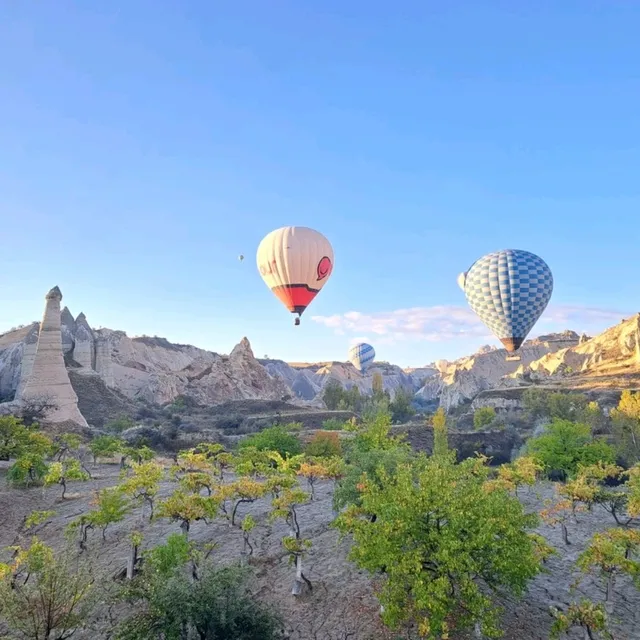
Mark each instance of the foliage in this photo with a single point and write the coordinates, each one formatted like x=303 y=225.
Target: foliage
x=541 y=403
x=43 y=597
x=187 y=508
x=333 y=424
x=243 y=490
x=110 y=506
x=274 y=438
x=483 y=417
x=626 y=426
x=120 y=424
x=28 y=470
x=143 y=482
x=522 y=471
x=163 y=560
x=438 y=535
x=440 y=439
x=586 y=615
x=401 y=406
x=375 y=434
x=215 y=606
x=63 y=472
x=324 y=445
x=36 y=518
x=105 y=447
x=138 y=454
x=14 y=437
x=565 y=445
x=377 y=384
x=313 y=471
x=66 y=444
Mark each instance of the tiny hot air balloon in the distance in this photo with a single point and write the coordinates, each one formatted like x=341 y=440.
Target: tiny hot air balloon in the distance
x=361 y=356
x=509 y=290
x=240 y=257
x=295 y=263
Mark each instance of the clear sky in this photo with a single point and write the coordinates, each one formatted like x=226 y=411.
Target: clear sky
x=144 y=144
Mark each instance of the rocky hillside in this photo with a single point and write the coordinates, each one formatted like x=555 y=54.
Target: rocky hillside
x=157 y=371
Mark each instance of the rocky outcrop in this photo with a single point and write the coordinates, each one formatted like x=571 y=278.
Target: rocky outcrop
x=48 y=377
x=464 y=379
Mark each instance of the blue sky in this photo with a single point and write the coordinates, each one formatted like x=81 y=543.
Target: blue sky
x=145 y=144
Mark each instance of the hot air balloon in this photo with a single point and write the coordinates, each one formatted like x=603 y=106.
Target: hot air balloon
x=461 y=278
x=295 y=263
x=509 y=290
x=361 y=356
x=241 y=257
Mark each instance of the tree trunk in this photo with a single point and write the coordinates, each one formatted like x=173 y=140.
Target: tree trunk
x=608 y=605
x=565 y=533
x=298 y=584
x=132 y=561
x=63 y=482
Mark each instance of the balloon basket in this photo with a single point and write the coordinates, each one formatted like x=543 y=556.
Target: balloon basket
x=513 y=359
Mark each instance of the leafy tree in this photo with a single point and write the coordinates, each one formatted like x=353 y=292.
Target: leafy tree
x=242 y=491
x=440 y=439
x=558 y=512
x=187 y=508
x=43 y=597
x=138 y=454
x=633 y=484
x=163 y=560
x=14 y=437
x=332 y=395
x=401 y=406
x=285 y=508
x=143 y=483
x=438 y=536
x=275 y=438
x=590 y=617
x=110 y=506
x=324 y=445
x=567 y=444
x=626 y=426
x=120 y=424
x=66 y=444
x=541 y=403
x=593 y=415
x=248 y=525
x=377 y=385
x=63 y=472
x=483 y=417
x=215 y=606
x=313 y=472
x=105 y=447
x=333 y=424
x=522 y=471
x=28 y=470
x=612 y=553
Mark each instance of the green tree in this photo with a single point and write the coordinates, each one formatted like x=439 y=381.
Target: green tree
x=44 y=597
x=105 y=447
x=143 y=483
x=332 y=394
x=217 y=605
x=63 y=472
x=275 y=438
x=324 y=445
x=401 y=406
x=28 y=470
x=483 y=417
x=440 y=537
x=377 y=385
x=120 y=424
x=626 y=426
x=333 y=424
x=14 y=437
x=565 y=445
x=440 y=438
x=586 y=615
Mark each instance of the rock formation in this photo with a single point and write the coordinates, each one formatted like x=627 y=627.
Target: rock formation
x=48 y=377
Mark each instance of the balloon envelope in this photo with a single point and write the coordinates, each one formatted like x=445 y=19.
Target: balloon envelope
x=461 y=278
x=295 y=263
x=241 y=257
x=509 y=290
x=362 y=355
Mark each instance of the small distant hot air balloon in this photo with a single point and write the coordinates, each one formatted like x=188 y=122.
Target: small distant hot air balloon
x=461 y=278
x=241 y=257
x=361 y=356
x=509 y=290
x=295 y=263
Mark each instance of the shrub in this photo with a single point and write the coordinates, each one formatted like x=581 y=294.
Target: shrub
x=333 y=424
x=324 y=445
x=273 y=439
x=401 y=406
x=483 y=417
x=565 y=445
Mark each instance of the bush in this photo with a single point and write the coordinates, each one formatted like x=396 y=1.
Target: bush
x=118 y=425
x=565 y=445
x=483 y=417
x=273 y=439
x=216 y=605
x=401 y=406
x=324 y=445
x=333 y=424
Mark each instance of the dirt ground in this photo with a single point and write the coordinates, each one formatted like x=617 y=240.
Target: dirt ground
x=342 y=601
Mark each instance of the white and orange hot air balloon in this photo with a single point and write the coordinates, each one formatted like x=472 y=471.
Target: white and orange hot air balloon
x=295 y=263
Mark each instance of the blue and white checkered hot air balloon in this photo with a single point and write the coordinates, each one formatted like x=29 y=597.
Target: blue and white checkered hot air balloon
x=361 y=356
x=509 y=290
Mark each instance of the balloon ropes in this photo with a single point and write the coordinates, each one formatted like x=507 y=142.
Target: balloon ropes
x=361 y=356
x=508 y=290
x=295 y=263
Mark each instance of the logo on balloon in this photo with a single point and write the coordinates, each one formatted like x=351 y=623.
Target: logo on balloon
x=324 y=268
